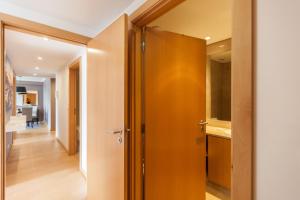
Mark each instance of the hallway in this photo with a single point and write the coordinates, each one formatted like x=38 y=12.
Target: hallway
x=38 y=167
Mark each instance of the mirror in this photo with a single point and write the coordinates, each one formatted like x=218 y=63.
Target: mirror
x=219 y=81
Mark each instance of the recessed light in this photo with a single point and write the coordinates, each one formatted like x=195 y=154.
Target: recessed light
x=34 y=74
x=45 y=38
x=36 y=68
x=221 y=46
x=39 y=58
x=207 y=38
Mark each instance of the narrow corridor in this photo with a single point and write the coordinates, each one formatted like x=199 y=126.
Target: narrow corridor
x=38 y=168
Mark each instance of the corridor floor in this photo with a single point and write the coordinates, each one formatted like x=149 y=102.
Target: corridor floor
x=214 y=192
x=38 y=168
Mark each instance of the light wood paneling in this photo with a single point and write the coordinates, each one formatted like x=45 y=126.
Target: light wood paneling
x=219 y=161
x=174 y=105
x=20 y=24
x=242 y=101
x=107 y=60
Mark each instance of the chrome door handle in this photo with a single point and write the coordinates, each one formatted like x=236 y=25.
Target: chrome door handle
x=117 y=131
x=202 y=124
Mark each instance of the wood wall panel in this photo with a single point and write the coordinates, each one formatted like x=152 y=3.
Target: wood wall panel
x=242 y=100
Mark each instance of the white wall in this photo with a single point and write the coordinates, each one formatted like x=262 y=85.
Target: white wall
x=278 y=100
x=62 y=100
x=83 y=110
x=62 y=103
x=47 y=102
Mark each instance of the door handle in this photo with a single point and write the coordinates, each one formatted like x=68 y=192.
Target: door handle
x=117 y=131
x=202 y=124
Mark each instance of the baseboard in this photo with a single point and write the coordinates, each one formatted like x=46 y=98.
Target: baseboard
x=60 y=142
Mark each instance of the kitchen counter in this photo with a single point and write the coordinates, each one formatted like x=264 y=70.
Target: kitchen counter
x=16 y=123
x=218 y=132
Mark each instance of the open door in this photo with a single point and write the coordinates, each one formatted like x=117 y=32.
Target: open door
x=73 y=107
x=107 y=63
x=174 y=71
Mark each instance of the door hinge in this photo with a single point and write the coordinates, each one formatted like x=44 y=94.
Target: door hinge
x=143 y=46
x=143 y=168
x=143 y=128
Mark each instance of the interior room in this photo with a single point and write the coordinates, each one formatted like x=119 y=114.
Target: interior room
x=213 y=29
x=44 y=123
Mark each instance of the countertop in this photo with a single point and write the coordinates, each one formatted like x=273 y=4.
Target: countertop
x=218 y=132
x=16 y=123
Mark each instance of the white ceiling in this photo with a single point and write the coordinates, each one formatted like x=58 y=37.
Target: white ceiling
x=24 y=49
x=199 y=18
x=86 y=17
x=30 y=78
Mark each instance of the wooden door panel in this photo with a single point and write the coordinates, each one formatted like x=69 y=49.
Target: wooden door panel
x=219 y=161
x=174 y=104
x=72 y=113
x=107 y=61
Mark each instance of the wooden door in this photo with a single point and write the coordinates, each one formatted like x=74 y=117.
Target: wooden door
x=73 y=110
x=107 y=63
x=174 y=105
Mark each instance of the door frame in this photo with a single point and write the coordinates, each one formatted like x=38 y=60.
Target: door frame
x=74 y=68
x=242 y=94
x=38 y=29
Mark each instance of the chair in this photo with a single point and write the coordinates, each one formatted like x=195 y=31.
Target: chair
x=35 y=114
x=28 y=112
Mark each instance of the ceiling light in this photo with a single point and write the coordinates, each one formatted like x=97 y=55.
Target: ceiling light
x=45 y=38
x=36 y=68
x=207 y=38
x=97 y=51
x=34 y=74
x=39 y=58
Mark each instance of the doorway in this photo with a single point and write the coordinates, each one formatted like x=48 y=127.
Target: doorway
x=162 y=18
x=74 y=108
x=37 y=154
